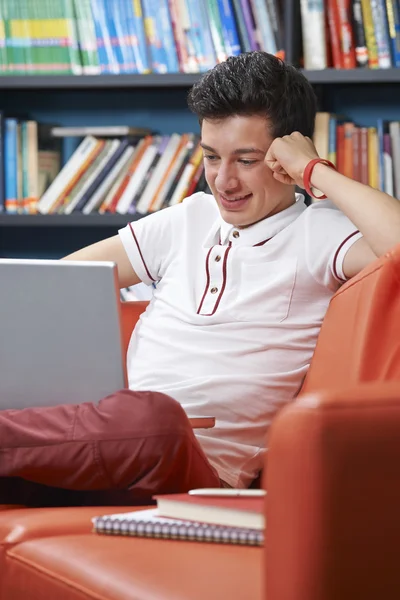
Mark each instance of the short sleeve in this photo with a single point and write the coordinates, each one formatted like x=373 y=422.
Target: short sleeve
x=148 y=242
x=329 y=236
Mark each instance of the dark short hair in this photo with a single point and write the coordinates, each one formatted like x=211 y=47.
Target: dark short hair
x=256 y=83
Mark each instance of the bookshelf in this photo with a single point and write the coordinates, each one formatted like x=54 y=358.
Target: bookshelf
x=158 y=101
x=181 y=80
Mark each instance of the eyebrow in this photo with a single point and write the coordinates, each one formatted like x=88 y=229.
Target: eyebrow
x=237 y=151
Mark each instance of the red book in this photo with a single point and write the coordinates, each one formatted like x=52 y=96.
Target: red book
x=233 y=511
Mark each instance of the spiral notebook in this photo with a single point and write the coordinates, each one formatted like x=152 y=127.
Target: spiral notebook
x=147 y=523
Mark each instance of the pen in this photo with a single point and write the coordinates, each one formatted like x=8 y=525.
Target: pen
x=227 y=492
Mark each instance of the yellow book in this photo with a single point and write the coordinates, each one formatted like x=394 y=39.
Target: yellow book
x=370 y=38
x=373 y=177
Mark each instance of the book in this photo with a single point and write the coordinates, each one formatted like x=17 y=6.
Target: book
x=100 y=131
x=222 y=510
x=148 y=523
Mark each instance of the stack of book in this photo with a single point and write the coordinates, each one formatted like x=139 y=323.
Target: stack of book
x=137 y=173
x=223 y=516
x=111 y=37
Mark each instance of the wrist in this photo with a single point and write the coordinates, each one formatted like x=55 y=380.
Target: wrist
x=314 y=167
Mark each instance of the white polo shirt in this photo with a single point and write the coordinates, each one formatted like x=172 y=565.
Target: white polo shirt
x=235 y=316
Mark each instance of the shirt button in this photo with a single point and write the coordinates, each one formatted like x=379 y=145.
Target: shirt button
x=236 y=234
x=214 y=290
x=217 y=258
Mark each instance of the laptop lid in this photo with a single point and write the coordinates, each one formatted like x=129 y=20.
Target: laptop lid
x=60 y=332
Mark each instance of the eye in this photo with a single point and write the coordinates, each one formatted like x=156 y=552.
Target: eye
x=211 y=157
x=246 y=162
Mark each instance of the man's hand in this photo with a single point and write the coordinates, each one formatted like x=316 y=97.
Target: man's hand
x=288 y=156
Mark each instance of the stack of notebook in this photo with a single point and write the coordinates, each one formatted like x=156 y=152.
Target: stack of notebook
x=220 y=516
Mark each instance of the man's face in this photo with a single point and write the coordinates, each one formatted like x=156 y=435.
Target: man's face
x=234 y=150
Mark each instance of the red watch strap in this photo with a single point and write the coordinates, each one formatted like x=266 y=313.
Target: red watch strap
x=308 y=172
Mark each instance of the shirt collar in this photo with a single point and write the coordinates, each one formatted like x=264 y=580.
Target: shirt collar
x=223 y=232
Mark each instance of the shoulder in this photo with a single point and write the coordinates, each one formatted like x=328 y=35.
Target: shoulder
x=321 y=209
x=324 y=215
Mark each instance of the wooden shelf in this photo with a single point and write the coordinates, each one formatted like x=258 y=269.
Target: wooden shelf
x=74 y=220
x=180 y=80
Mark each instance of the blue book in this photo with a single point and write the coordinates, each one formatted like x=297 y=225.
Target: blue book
x=160 y=38
x=229 y=29
x=113 y=18
x=137 y=37
x=104 y=48
x=124 y=27
x=332 y=139
x=101 y=176
x=199 y=35
x=394 y=29
x=10 y=165
x=2 y=190
x=245 y=42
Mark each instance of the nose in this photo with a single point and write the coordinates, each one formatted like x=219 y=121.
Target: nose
x=226 y=179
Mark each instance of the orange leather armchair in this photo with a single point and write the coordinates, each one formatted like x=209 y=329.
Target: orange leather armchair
x=333 y=480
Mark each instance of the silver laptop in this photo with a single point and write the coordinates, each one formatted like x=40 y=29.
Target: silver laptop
x=60 y=332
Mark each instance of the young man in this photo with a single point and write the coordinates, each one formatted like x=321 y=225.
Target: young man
x=244 y=277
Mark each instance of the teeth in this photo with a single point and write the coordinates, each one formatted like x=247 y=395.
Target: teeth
x=236 y=199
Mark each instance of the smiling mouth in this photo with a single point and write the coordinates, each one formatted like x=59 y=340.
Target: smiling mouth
x=237 y=199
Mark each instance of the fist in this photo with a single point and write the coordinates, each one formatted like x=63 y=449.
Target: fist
x=288 y=156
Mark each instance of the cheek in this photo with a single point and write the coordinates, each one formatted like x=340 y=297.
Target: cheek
x=209 y=173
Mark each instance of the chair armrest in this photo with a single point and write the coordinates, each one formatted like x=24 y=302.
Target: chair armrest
x=333 y=480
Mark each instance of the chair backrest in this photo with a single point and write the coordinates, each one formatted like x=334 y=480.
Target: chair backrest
x=130 y=313
x=359 y=339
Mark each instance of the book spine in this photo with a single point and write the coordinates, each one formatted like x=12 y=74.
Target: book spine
x=346 y=35
x=10 y=155
x=332 y=139
x=110 y=161
x=200 y=34
x=104 y=47
x=250 y=24
x=2 y=164
x=388 y=164
x=100 y=193
x=313 y=28
x=229 y=30
x=58 y=186
x=393 y=16
x=373 y=62
x=241 y=25
x=138 y=36
x=216 y=30
x=168 y=42
x=359 y=35
x=373 y=177
x=276 y=24
x=3 y=41
x=86 y=37
x=364 y=155
x=381 y=167
x=71 y=39
x=264 y=28
x=381 y=35
x=334 y=33
x=112 y=15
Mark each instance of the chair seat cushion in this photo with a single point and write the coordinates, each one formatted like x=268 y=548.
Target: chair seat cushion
x=122 y=568
x=21 y=524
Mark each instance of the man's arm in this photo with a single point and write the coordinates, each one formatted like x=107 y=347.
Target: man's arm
x=109 y=249
x=375 y=214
